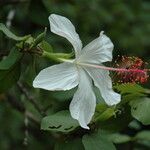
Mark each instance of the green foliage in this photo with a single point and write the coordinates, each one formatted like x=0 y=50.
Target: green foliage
x=128 y=27
x=118 y=138
x=103 y=112
x=117 y=122
x=61 y=121
x=130 y=92
x=9 y=77
x=96 y=142
x=143 y=135
x=130 y=88
x=10 y=70
x=140 y=110
x=10 y=60
x=70 y=145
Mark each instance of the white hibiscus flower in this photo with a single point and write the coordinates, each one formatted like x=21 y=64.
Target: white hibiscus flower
x=86 y=66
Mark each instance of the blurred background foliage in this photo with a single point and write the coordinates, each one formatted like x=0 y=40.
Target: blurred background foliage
x=126 y=22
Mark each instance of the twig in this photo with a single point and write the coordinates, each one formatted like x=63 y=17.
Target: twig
x=31 y=99
x=17 y=105
x=20 y=107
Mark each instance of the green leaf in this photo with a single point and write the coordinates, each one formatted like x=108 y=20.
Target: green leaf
x=61 y=121
x=106 y=114
x=9 y=77
x=10 y=60
x=135 y=125
x=96 y=141
x=117 y=122
x=118 y=138
x=130 y=88
x=101 y=107
x=10 y=70
x=103 y=112
x=143 y=135
x=130 y=92
x=46 y=46
x=9 y=34
x=132 y=96
x=140 y=110
x=70 y=145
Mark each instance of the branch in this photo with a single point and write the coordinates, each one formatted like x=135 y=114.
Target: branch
x=17 y=105
x=31 y=99
x=20 y=107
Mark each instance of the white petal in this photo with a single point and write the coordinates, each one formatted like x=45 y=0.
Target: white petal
x=58 y=77
x=83 y=105
x=98 y=51
x=62 y=26
x=103 y=81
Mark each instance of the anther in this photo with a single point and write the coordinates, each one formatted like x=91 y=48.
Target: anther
x=132 y=70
